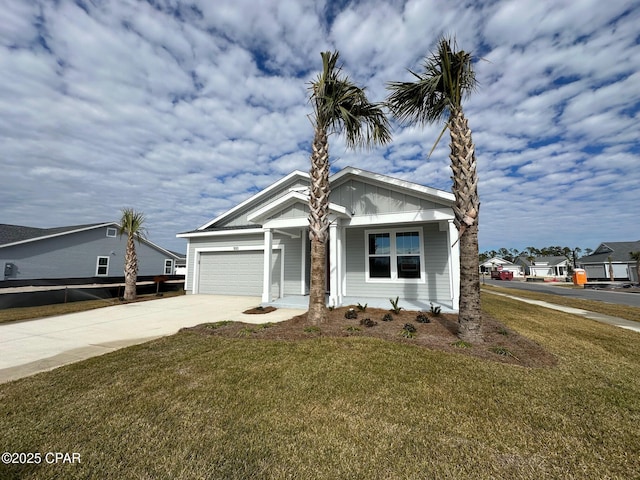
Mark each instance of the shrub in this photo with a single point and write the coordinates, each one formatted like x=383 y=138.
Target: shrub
x=367 y=322
x=503 y=351
x=387 y=317
x=313 y=330
x=394 y=304
x=461 y=344
x=408 y=331
x=422 y=318
x=351 y=314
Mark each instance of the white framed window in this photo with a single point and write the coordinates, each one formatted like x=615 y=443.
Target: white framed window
x=102 y=267
x=168 y=266
x=111 y=232
x=394 y=255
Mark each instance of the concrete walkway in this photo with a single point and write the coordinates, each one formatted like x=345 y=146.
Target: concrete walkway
x=599 y=317
x=38 y=345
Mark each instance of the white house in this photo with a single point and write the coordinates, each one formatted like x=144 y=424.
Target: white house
x=388 y=238
x=499 y=263
x=556 y=266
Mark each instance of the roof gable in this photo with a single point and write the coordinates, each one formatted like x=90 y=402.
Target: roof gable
x=353 y=191
x=617 y=251
x=237 y=216
x=11 y=235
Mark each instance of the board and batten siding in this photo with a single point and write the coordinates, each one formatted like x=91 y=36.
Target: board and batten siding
x=362 y=198
x=437 y=287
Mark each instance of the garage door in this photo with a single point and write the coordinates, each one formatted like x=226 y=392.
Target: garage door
x=237 y=273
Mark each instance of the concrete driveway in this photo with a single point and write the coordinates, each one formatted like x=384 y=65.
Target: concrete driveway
x=37 y=345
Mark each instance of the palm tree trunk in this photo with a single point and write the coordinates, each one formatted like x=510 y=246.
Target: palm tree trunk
x=318 y=226
x=130 y=270
x=466 y=209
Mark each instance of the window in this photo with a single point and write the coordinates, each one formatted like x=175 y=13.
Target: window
x=395 y=255
x=168 y=267
x=111 y=232
x=102 y=268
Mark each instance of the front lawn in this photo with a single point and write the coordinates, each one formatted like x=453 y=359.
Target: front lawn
x=197 y=406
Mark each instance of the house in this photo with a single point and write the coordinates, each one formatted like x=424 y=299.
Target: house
x=73 y=252
x=388 y=238
x=614 y=254
x=544 y=267
x=499 y=263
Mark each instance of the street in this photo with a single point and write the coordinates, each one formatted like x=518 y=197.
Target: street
x=618 y=297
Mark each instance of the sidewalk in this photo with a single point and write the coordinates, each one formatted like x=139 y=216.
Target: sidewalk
x=599 y=317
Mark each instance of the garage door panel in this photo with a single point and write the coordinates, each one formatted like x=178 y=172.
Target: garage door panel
x=236 y=273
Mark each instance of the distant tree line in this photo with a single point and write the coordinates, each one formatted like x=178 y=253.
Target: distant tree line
x=510 y=254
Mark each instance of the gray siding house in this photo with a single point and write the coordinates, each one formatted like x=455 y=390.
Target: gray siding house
x=80 y=251
x=615 y=256
x=388 y=238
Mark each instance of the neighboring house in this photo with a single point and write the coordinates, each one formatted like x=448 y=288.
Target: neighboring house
x=388 y=238
x=544 y=267
x=624 y=267
x=499 y=263
x=79 y=251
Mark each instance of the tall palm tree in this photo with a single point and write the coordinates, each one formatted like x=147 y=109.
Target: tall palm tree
x=339 y=106
x=131 y=223
x=434 y=96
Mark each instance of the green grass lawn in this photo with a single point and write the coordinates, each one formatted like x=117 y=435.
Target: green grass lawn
x=190 y=407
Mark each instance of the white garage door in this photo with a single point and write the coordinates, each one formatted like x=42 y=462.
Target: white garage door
x=236 y=273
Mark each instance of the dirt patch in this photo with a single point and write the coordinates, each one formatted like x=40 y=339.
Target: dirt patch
x=260 y=310
x=499 y=343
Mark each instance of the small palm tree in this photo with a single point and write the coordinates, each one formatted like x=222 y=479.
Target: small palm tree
x=436 y=95
x=131 y=223
x=338 y=106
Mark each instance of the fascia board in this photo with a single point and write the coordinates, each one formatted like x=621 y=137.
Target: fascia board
x=60 y=234
x=221 y=233
x=256 y=197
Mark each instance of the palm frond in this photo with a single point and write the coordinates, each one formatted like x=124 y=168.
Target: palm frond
x=446 y=79
x=340 y=106
x=132 y=223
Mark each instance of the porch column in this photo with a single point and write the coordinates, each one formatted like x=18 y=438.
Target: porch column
x=266 y=283
x=335 y=289
x=454 y=265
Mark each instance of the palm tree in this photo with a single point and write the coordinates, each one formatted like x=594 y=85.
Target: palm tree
x=131 y=223
x=436 y=95
x=338 y=106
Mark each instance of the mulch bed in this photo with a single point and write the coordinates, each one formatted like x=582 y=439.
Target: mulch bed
x=499 y=343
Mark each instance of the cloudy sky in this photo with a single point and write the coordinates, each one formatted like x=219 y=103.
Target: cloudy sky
x=182 y=109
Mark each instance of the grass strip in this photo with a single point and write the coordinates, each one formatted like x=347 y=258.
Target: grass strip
x=623 y=311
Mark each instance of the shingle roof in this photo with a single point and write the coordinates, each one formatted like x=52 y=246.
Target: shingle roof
x=19 y=233
x=549 y=260
x=618 y=251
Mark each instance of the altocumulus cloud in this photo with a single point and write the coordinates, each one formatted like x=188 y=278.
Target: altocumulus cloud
x=184 y=109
